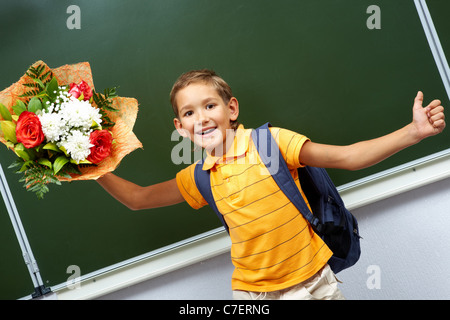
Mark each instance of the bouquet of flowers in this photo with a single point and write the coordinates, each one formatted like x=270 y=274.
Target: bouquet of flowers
x=61 y=129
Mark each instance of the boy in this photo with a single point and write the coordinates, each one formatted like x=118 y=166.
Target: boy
x=275 y=252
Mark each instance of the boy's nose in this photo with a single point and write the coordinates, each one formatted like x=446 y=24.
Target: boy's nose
x=202 y=118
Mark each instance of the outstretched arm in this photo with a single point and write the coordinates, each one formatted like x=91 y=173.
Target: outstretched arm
x=136 y=197
x=427 y=121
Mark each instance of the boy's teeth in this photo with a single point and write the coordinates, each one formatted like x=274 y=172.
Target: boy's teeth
x=208 y=131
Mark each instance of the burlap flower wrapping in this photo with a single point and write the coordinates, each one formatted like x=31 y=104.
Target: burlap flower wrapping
x=125 y=140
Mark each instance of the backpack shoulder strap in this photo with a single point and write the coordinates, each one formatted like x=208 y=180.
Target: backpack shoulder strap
x=203 y=183
x=271 y=156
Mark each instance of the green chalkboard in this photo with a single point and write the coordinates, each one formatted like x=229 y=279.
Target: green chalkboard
x=310 y=66
x=438 y=11
x=14 y=275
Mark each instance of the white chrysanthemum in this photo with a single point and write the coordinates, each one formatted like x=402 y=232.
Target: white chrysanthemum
x=53 y=126
x=68 y=122
x=79 y=114
x=78 y=145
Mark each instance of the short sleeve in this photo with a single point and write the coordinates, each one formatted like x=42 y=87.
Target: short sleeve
x=290 y=144
x=188 y=188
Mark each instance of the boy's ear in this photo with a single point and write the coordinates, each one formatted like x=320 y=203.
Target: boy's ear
x=179 y=127
x=233 y=106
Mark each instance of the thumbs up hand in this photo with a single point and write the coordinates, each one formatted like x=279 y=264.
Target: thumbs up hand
x=429 y=120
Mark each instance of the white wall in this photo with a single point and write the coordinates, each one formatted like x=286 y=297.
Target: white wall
x=408 y=238
x=405 y=255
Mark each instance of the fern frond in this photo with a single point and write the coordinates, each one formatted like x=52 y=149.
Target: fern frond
x=35 y=72
x=30 y=93
x=31 y=85
x=44 y=77
x=37 y=75
x=37 y=177
x=104 y=103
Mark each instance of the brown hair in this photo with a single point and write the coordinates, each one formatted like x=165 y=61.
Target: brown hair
x=207 y=76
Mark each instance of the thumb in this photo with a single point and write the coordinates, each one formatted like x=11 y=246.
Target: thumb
x=418 y=101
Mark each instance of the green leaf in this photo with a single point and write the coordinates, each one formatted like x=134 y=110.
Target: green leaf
x=39 y=82
x=9 y=130
x=80 y=162
x=95 y=126
x=4 y=112
x=64 y=150
x=65 y=174
x=59 y=163
x=9 y=145
x=19 y=107
x=25 y=166
x=45 y=106
x=17 y=163
x=71 y=168
x=24 y=153
x=52 y=146
x=45 y=162
x=34 y=105
x=52 y=86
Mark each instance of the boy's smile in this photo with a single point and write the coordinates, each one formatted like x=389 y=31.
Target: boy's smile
x=205 y=118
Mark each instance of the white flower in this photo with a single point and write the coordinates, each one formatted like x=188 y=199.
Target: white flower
x=80 y=114
x=68 y=122
x=78 y=145
x=53 y=126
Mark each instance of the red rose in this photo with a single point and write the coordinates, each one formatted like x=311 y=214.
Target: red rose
x=74 y=91
x=29 y=130
x=102 y=141
x=83 y=88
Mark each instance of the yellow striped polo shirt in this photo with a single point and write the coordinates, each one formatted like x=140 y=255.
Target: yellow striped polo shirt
x=273 y=246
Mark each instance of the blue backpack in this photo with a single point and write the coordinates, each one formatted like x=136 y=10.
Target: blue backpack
x=331 y=220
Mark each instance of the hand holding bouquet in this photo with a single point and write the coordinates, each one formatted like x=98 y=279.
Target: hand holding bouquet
x=64 y=130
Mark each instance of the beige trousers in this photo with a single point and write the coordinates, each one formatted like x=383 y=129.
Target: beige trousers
x=321 y=286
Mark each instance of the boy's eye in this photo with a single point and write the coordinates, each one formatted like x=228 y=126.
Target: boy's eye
x=189 y=113
x=209 y=106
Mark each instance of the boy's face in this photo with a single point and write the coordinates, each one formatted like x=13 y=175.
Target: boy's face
x=204 y=117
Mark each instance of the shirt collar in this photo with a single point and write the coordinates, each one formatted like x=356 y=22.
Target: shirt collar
x=238 y=148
